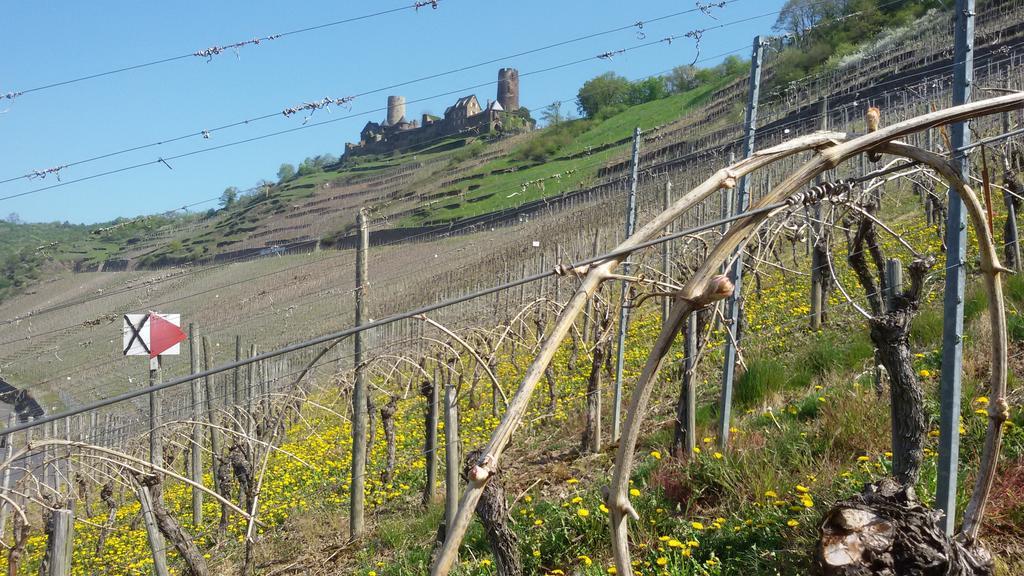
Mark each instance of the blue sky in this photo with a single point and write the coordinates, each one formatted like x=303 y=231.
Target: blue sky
x=46 y=42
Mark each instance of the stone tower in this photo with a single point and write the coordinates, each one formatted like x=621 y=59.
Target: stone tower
x=508 y=89
x=396 y=109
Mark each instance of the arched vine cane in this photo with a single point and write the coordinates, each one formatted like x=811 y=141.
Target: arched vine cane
x=703 y=287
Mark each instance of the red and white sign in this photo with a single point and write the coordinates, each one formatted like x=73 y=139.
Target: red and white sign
x=152 y=334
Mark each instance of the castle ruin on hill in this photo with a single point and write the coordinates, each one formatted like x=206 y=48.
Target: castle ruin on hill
x=465 y=116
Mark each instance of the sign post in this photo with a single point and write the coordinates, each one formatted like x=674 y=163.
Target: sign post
x=153 y=335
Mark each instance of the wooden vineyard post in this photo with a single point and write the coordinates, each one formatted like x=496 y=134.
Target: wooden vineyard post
x=818 y=265
x=156 y=451
x=953 y=296
x=451 y=447
x=153 y=535
x=48 y=474
x=732 y=307
x=1011 y=236
x=624 y=292
x=196 y=452
x=236 y=386
x=689 y=385
x=359 y=415
x=589 y=307
x=728 y=205
x=430 y=391
x=60 y=541
x=250 y=373
x=211 y=417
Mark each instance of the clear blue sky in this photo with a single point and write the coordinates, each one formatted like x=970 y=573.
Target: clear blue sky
x=45 y=42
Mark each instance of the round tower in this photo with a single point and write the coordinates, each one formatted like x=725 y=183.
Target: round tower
x=508 y=89
x=396 y=109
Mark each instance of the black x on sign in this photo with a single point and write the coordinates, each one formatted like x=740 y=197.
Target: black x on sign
x=136 y=335
x=152 y=334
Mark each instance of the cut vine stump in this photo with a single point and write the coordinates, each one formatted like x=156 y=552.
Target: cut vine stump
x=886 y=531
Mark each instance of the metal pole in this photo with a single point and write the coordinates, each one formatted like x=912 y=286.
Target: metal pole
x=359 y=415
x=624 y=293
x=666 y=263
x=732 y=306
x=953 y=298
x=5 y=487
x=197 y=431
x=894 y=275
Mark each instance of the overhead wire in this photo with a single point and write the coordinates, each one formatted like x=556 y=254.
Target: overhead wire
x=166 y=159
x=211 y=51
x=205 y=133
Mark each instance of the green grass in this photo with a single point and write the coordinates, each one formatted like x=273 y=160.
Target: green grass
x=500 y=191
x=646 y=116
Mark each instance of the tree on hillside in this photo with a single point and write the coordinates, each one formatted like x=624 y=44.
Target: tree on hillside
x=307 y=167
x=798 y=16
x=14 y=218
x=263 y=187
x=647 y=90
x=228 y=198
x=608 y=89
x=326 y=160
x=552 y=114
x=682 y=78
x=285 y=172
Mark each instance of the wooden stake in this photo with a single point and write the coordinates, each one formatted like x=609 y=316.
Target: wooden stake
x=156 y=540
x=359 y=415
x=196 y=467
